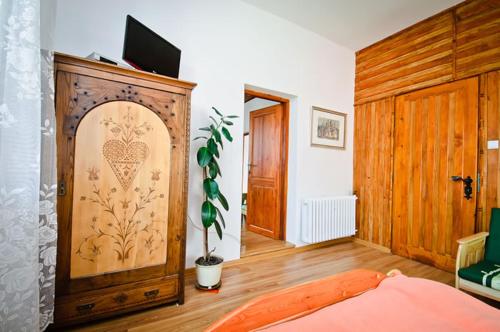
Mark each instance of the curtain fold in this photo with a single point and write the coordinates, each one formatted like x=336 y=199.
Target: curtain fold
x=47 y=226
x=27 y=171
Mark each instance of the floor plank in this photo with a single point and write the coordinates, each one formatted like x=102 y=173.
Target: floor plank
x=242 y=282
x=255 y=244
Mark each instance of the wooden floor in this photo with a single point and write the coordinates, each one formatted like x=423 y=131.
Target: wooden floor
x=256 y=275
x=254 y=244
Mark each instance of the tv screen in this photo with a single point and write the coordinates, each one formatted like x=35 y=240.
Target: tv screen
x=146 y=50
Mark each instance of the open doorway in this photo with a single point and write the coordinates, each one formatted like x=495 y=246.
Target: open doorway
x=265 y=168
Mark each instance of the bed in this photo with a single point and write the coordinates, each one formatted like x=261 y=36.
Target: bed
x=363 y=300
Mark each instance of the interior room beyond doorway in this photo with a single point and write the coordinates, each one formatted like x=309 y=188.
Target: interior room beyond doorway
x=263 y=202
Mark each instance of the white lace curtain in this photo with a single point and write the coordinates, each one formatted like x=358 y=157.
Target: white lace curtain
x=27 y=171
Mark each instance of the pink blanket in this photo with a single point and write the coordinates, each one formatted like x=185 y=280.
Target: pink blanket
x=401 y=303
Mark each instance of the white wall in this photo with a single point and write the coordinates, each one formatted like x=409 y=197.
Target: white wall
x=227 y=44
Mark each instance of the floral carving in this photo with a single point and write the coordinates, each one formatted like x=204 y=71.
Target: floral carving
x=93 y=174
x=123 y=223
x=126 y=154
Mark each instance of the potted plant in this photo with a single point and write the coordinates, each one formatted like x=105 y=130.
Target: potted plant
x=209 y=266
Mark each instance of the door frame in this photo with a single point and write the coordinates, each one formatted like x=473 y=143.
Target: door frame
x=285 y=120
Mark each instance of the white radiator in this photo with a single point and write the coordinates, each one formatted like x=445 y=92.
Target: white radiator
x=328 y=218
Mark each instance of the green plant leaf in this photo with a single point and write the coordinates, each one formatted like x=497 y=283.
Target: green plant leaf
x=218 y=229
x=204 y=129
x=227 y=122
x=204 y=156
x=217 y=136
x=223 y=201
x=208 y=214
x=212 y=147
x=217 y=111
x=221 y=217
x=226 y=134
x=213 y=119
x=213 y=169
x=211 y=188
x=199 y=137
x=231 y=116
x=217 y=165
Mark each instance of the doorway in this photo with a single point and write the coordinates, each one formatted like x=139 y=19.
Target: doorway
x=265 y=168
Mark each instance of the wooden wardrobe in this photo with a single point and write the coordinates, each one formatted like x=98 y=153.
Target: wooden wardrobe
x=427 y=109
x=122 y=158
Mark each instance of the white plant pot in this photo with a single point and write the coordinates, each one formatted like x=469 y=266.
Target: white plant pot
x=208 y=276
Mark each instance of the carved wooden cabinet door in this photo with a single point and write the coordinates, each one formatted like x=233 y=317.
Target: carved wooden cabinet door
x=121 y=190
x=123 y=140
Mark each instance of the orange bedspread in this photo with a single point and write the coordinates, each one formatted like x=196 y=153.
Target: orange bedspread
x=363 y=300
x=401 y=303
x=297 y=301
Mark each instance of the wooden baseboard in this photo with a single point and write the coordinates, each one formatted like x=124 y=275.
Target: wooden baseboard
x=278 y=253
x=373 y=245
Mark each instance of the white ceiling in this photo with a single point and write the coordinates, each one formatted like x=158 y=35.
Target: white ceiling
x=354 y=23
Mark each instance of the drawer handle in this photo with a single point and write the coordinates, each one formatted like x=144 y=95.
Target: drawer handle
x=85 y=308
x=120 y=298
x=151 y=294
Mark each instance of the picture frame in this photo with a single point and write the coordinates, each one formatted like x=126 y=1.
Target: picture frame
x=328 y=128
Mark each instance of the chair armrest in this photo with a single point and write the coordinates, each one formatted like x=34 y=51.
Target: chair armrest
x=470 y=251
x=472 y=238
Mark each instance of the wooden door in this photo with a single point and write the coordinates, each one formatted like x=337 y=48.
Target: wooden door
x=265 y=172
x=436 y=135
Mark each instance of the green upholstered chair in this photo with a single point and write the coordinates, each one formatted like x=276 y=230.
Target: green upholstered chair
x=478 y=261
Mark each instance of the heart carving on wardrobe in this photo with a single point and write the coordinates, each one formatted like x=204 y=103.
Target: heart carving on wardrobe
x=125 y=159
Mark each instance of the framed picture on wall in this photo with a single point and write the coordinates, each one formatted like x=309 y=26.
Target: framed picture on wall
x=328 y=128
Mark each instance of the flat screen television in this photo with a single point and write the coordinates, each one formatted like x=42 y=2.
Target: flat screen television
x=144 y=49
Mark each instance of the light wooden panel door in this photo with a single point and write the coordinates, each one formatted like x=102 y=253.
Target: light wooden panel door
x=436 y=136
x=264 y=176
x=121 y=190
x=373 y=135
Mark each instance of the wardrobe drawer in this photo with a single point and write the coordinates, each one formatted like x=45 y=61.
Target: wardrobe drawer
x=78 y=306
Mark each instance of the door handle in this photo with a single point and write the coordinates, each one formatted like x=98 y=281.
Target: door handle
x=250 y=167
x=467 y=185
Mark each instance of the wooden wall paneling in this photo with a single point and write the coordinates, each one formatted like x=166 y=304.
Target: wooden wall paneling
x=460 y=42
x=435 y=138
x=482 y=161
x=492 y=185
x=477 y=37
x=373 y=170
x=416 y=57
